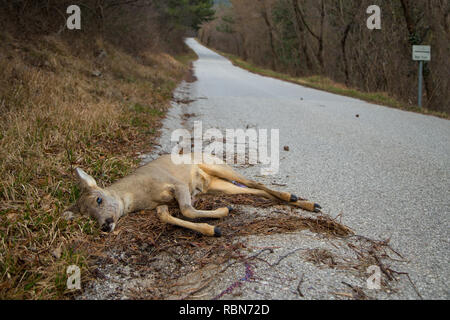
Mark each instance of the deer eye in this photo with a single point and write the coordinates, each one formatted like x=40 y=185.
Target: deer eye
x=99 y=201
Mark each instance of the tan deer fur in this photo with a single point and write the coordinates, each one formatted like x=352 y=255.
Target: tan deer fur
x=159 y=182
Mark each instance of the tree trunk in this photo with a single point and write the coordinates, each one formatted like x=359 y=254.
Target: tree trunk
x=320 y=53
x=270 y=34
x=301 y=21
x=344 y=52
x=300 y=36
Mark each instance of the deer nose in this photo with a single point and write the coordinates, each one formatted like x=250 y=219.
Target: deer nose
x=106 y=227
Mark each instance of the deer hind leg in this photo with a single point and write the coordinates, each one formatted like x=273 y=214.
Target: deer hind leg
x=219 y=185
x=203 y=228
x=223 y=186
x=224 y=171
x=183 y=197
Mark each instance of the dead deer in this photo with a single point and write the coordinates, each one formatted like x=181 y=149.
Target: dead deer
x=159 y=182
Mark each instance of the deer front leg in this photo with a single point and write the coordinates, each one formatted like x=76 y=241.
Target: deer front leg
x=203 y=228
x=183 y=197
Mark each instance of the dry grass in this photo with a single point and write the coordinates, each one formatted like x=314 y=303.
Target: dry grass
x=65 y=105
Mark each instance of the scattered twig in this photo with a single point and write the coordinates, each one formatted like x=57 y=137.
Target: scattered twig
x=279 y=184
x=345 y=294
x=412 y=283
x=360 y=295
x=285 y=256
x=383 y=268
x=299 y=285
x=248 y=275
x=207 y=282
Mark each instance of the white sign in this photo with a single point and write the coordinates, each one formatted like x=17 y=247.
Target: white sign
x=421 y=53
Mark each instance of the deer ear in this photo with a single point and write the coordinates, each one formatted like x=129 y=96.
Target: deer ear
x=71 y=212
x=85 y=180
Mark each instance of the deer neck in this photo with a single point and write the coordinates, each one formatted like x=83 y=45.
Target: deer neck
x=125 y=201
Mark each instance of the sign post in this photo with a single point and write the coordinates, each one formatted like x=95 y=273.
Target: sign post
x=421 y=54
x=419 y=93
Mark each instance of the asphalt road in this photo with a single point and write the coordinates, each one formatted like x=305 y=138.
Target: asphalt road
x=387 y=171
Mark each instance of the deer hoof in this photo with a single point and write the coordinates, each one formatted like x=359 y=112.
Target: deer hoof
x=230 y=208
x=294 y=198
x=317 y=207
x=217 y=232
